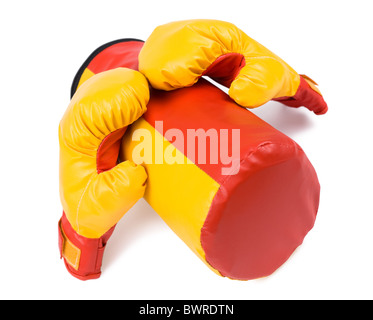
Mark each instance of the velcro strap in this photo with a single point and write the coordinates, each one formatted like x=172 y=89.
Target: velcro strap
x=68 y=250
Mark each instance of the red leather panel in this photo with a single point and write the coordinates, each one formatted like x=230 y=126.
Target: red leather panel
x=306 y=96
x=259 y=218
x=107 y=153
x=226 y=68
x=123 y=54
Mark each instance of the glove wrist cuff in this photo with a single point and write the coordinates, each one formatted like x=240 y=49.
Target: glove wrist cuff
x=82 y=256
x=307 y=95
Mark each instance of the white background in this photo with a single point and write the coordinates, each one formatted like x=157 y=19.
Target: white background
x=43 y=43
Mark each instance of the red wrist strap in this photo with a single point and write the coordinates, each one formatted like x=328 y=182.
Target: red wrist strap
x=306 y=96
x=82 y=256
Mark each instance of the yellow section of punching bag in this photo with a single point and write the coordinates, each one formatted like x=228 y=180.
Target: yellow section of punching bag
x=177 y=54
x=171 y=189
x=93 y=202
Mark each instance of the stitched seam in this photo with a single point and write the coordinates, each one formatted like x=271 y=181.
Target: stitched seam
x=263 y=57
x=245 y=158
x=250 y=154
x=80 y=201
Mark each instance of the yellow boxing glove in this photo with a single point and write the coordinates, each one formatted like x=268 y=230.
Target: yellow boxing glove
x=177 y=54
x=96 y=191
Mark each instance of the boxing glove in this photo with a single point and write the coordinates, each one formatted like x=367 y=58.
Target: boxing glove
x=95 y=190
x=177 y=54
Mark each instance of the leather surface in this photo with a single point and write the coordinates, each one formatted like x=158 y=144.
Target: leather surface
x=95 y=192
x=177 y=54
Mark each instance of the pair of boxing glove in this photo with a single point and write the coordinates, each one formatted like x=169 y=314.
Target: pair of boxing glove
x=96 y=189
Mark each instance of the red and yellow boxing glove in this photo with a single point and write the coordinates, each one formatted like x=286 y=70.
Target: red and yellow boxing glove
x=96 y=191
x=177 y=54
